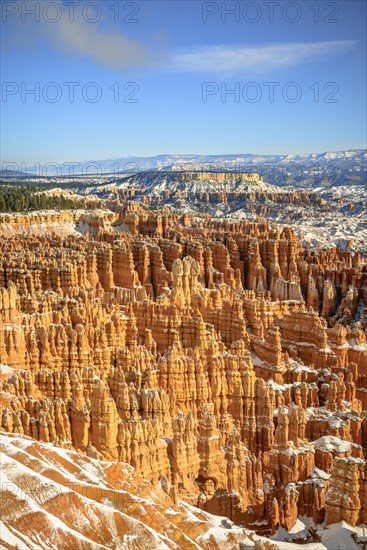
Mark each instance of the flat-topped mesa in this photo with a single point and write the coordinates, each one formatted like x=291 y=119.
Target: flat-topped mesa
x=216 y=176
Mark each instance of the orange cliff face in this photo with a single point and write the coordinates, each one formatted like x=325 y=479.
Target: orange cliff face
x=221 y=359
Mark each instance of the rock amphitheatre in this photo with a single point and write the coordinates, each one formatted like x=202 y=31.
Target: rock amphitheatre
x=222 y=360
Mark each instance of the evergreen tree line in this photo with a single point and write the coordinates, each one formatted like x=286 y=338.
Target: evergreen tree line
x=32 y=197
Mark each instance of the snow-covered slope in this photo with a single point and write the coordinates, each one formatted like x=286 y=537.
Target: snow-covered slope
x=53 y=498
x=196 y=182
x=324 y=216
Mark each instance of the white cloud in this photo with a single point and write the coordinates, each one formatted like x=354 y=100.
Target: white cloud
x=118 y=51
x=111 y=49
x=263 y=58
x=76 y=36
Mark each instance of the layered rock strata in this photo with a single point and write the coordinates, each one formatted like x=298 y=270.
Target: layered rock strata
x=220 y=359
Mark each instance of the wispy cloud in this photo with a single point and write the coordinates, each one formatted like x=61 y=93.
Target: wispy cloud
x=116 y=50
x=263 y=58
x=77 y=36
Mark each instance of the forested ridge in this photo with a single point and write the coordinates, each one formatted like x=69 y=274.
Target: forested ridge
x=31 y=197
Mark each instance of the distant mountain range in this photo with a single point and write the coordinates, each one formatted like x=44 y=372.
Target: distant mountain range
x=308 y=171
x=330 y=209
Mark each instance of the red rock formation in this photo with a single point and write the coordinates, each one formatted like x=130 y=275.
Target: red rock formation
x=346 y=496
x=212 y=356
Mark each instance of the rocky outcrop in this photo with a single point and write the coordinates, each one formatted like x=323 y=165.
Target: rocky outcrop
x=346 y=496
x=214 y=357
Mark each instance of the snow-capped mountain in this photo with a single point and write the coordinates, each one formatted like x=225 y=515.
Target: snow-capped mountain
x=309 y=170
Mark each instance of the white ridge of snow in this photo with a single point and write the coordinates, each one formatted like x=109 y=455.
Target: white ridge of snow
x=330 y=443
x=5 y=369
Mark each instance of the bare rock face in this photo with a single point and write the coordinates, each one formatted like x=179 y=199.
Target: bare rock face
x=219 y=359
x=346 y=497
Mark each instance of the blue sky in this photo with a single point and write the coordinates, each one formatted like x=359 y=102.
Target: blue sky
x=162 y=72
